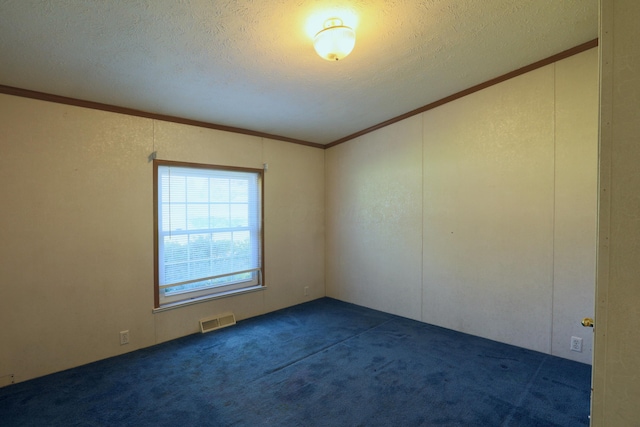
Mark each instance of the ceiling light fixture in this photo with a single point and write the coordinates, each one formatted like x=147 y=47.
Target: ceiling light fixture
x=335 y=40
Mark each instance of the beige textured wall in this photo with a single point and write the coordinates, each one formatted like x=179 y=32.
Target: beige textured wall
x=616 y=379
x=488 y=212
x=502 y=209
x=76 y=240
x=576 y=183
x=374 y=211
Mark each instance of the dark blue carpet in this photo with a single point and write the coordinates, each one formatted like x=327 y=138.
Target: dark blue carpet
x=323 y=363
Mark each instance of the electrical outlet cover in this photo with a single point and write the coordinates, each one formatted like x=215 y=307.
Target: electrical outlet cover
x=576 y=344
x=124 y=337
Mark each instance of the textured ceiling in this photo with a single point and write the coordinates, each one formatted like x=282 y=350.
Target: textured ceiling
x=251 y=64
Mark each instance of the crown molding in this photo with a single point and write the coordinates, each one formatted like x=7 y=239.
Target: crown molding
x=539 y=64
x=25 y=93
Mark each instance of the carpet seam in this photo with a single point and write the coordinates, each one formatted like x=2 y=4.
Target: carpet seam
x=293 y=362
x=524 y=394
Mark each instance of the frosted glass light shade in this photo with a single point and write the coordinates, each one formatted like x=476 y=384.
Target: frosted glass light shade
x=335 y=41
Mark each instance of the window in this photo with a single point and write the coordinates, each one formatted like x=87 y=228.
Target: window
x=208 y=231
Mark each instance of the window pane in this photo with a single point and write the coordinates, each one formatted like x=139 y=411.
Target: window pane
x=174 y=216
x=221 y=246
x=220 y=216
x=219 y=190
x=175 y=249
x=199 y=246
x=176 y=272
x=239 y=215
x=241 y=243
x=199 y=269
x=197 y=189
x=222 y=250
x=242 y=251
x=239 y=191
x=197 y=217
x=173 y=188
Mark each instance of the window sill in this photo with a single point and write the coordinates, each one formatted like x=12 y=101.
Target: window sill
x=199 y=300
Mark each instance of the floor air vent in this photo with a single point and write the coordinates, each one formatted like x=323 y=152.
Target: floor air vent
x=216 y=322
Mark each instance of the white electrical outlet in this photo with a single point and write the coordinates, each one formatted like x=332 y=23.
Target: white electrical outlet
x=306 y=291
x=124 y=337
x=576 y=344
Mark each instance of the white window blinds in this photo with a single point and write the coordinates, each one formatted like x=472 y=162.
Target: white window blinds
x=209 y=236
